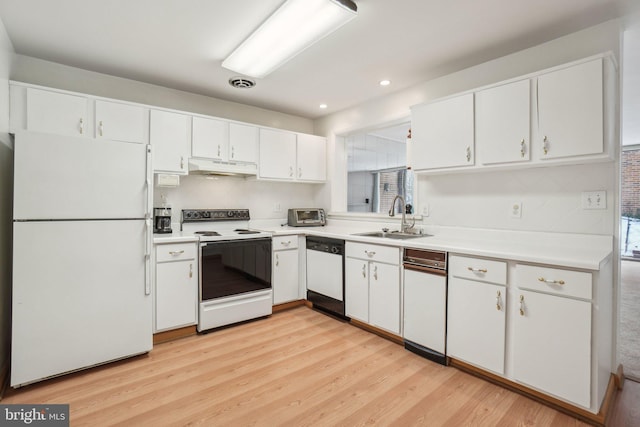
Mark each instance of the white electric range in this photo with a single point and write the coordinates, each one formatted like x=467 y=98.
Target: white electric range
x=234 y=267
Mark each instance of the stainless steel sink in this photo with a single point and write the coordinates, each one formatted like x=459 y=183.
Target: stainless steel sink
x=392 y=235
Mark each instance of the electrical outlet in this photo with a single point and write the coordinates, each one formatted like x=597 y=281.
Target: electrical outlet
x=276 y=207
x=425 y=209
x=594 y=199
x=515 y=210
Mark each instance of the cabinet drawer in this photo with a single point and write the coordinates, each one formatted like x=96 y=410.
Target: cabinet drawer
x=284 y=242
x=478 y=269
x=175 y=252
x=556 y=281
x=370 y=252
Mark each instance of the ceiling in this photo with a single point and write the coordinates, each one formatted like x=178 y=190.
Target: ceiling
x=181 y=43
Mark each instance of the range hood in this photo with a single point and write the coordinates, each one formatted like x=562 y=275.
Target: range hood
x=210 y=167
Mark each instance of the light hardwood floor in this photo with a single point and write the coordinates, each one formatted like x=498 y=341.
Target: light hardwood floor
x=295 y=368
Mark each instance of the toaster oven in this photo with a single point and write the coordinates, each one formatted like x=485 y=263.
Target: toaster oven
x=306 y=217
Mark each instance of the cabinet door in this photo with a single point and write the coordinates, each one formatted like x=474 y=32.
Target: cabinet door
x=552 y=348
x=356 y=298
x=243 y=143
x=277 y=154
x=384 y=296
x=312 y=158
x=476 y=323
x=502 y=123
x=285 y=276
x=120 y=122
x=209 y=138
x=442 y=133
x=570 y=109
x=168 y=136
x=58 y=113
x=176 y=294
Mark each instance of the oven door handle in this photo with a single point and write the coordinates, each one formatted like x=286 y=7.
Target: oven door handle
x=424 y=269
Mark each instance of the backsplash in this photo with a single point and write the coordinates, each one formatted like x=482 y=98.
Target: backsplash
x=226 y=192
x=551 y=199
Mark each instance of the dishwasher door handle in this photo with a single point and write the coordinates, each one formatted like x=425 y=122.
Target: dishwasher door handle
x=424 y=269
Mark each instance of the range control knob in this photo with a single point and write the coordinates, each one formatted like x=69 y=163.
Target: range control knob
x=334 y=249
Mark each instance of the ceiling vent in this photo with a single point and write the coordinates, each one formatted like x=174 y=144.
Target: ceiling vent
x=242 y=82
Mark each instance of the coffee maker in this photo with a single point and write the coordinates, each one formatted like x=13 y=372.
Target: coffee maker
x=162 y=220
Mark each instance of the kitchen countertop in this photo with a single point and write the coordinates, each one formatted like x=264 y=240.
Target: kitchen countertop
x=581 y=251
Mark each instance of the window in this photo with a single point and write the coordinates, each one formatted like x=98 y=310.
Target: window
x=377 y=170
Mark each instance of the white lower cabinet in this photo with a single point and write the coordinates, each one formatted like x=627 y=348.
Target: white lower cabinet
x=176 y=286
x=476 y=325
x=285 y=280
x=372 y=285
x=552 y=348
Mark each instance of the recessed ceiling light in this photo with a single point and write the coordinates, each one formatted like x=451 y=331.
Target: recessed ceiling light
x=323 y=106
x=385 y=82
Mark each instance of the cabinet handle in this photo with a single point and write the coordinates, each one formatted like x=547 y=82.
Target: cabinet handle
x=521 y=305
x=364 y=270
x=468 y=154
x=498 y=306
x=545 y=149
x=190 y=270
x=100 y=128
x=551 y=282
x=375 y=272
x=290 y=170
x=233 y=152
x=81 y=125
x=522 y=150
x=219 y=150
x=277 y=260
x=287 y=243
x=174 y=253
x=181 y=162
x=369 y=253
x=477 y=270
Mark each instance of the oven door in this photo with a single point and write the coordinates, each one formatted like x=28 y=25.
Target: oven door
x=234 y=267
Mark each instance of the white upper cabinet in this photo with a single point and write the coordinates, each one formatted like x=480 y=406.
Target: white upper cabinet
x=292 y=157
x=312 y=158
x=169 y=138
x=570 y=111
x=243 y=143
x=502 y=123
x=210 y=138
x=120 y=122
x=57 y=113
x=277 y=154
x=442 y=133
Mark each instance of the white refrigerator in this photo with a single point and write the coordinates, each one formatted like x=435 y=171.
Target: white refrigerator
x=81 y=254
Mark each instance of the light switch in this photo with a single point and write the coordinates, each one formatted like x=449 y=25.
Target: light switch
x=594 y=200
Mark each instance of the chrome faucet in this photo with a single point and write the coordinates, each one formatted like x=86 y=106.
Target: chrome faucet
x=404 y=227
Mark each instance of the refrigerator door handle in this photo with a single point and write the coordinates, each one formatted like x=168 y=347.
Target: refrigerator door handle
x=149 y=183
x=147 y=256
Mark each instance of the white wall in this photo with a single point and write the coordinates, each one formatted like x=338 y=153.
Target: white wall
x=631 y=94
x=260 y=197
x=6 y=197
x=482 y=199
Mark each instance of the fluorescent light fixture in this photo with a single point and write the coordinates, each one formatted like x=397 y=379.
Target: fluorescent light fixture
x=296 y=25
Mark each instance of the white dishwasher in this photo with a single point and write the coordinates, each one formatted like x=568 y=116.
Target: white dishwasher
x=325 y=274
x=425 y=303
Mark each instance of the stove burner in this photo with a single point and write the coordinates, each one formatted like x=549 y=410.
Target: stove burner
x=245 y=231
x=207 y=233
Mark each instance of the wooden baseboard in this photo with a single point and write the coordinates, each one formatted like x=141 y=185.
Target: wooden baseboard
x=4 y=377
x=380 y=332
x=288 y=305
x=174 y=334
x=598 y=419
